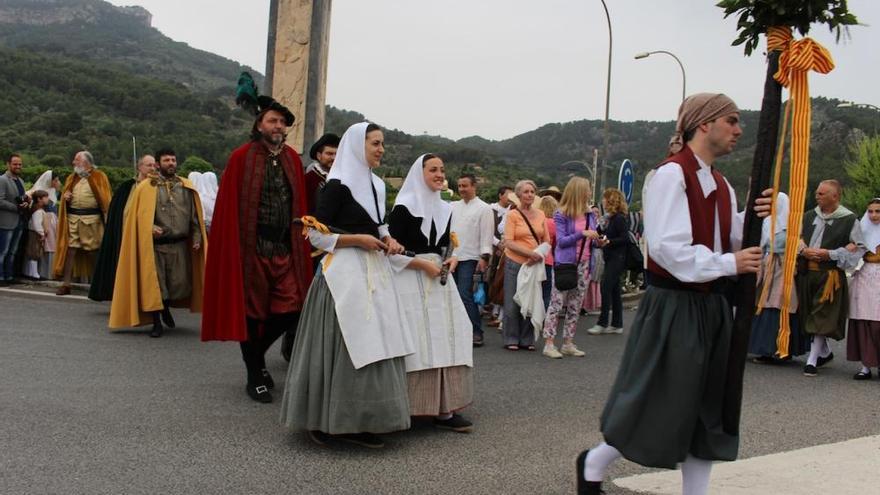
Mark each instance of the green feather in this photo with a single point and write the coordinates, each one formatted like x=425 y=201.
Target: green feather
x=246 y=93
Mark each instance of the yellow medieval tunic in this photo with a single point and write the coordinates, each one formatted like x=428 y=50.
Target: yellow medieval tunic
x=138 y=290
x=81 y=232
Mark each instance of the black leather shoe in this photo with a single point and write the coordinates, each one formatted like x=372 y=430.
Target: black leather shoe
x=259 y=393
x=585 y=487
x=267 y=379
x=367 y=440
x=286 y=346
x=822 y=361
x=810 y=370
x=157 y=330
x=167 y=319
x=861 y=375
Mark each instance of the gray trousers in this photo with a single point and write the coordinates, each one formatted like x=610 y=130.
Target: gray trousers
x=517 y=330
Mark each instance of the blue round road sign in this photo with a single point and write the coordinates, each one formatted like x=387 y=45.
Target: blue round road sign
x=626 y=180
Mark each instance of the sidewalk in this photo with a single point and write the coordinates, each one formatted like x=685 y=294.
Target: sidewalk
x=852 y=466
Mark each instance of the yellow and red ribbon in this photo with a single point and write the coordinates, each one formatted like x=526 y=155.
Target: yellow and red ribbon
x=796 y=60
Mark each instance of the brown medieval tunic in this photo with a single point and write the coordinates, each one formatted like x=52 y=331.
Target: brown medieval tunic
x=177 y=216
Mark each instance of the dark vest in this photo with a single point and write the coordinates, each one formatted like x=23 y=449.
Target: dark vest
x=835 y=235
x=702 y=212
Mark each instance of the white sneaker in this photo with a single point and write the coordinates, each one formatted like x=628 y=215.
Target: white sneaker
x=596 y=330
x=613 y=330
x=551 y=352
x=572 y=350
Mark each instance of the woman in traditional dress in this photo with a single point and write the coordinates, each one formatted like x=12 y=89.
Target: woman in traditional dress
x=347 y=377
x=575 y=232
x=48 y=182
x=863 y=342
x=524 y=230
x=439 y=373
x=765 y=325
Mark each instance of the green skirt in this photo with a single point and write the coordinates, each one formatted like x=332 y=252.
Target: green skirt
x=667 y=399
x=325 y=392
x=826 y=319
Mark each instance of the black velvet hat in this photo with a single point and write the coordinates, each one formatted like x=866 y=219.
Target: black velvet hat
x=247 y=97
x=329 y=139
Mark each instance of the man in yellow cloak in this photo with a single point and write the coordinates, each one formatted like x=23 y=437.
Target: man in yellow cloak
x=162 y=256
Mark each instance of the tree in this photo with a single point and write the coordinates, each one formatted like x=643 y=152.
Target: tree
x=757 y=18
x=864 y=173
x=194 y=163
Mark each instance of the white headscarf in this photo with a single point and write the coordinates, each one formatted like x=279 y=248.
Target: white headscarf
x=782 y=208
x=352 y=170
x=207 y=188
x=195 y=178
x=422 y=202
x=44 y=183
x=871 y=232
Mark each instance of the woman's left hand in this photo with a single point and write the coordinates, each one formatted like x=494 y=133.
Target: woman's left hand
x=452 y=263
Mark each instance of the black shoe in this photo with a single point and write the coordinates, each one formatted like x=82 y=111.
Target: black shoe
x=585 y=487
x=286 y=346
x=167 y=319
x=319 y=437
x=157 y=330
x=267 y=379
x=861 y=375
x=810 y=370
x=822 y=361
x=367 y=440
x=765 y=360
x=259 y=393
x=455 y=423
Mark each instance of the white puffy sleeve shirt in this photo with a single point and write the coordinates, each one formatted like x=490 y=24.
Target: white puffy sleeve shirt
x=668 y=227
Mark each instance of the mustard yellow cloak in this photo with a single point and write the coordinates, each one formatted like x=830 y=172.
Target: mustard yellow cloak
x=136 y=291
x=100 y=185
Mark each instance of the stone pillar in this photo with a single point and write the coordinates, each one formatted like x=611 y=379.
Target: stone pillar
x=296 y=64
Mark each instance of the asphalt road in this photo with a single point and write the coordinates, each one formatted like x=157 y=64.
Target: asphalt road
x=86 y=411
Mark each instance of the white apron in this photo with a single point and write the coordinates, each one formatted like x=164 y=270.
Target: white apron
x=436 y=320
x=367 y=305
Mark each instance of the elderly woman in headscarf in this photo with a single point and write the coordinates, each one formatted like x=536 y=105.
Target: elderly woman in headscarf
x=765 y=336
x=439 y=372
x=347 y=377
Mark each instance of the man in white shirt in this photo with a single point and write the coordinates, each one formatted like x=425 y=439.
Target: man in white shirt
x=667 y=403
x=473 y=222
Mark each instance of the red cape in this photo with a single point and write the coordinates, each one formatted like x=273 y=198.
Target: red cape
x=223 y=313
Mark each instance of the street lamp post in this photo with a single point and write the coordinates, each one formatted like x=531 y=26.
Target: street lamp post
x=591 y=168
x=606 y=144
x=680 y=65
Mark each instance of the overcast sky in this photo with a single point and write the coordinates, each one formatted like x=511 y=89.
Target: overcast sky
x=497 y=68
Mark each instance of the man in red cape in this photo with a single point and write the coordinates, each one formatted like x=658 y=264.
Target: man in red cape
x=258 y=269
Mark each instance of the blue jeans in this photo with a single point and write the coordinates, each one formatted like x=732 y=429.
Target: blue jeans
x=464 y=279
x=9 y=241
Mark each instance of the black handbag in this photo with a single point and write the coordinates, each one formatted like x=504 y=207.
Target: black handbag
x=565 y=275
x=634 y=259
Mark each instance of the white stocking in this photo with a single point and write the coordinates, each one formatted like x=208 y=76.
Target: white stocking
x=598 y=460
x=695 y=476
x=816 y=349
x=826 y=349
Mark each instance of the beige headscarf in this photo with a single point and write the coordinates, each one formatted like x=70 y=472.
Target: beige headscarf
x=701 y=108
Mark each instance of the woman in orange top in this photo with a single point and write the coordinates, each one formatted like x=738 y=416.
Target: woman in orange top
x=525 y=228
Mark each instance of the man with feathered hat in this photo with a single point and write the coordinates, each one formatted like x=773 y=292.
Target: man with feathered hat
x=259 y=267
